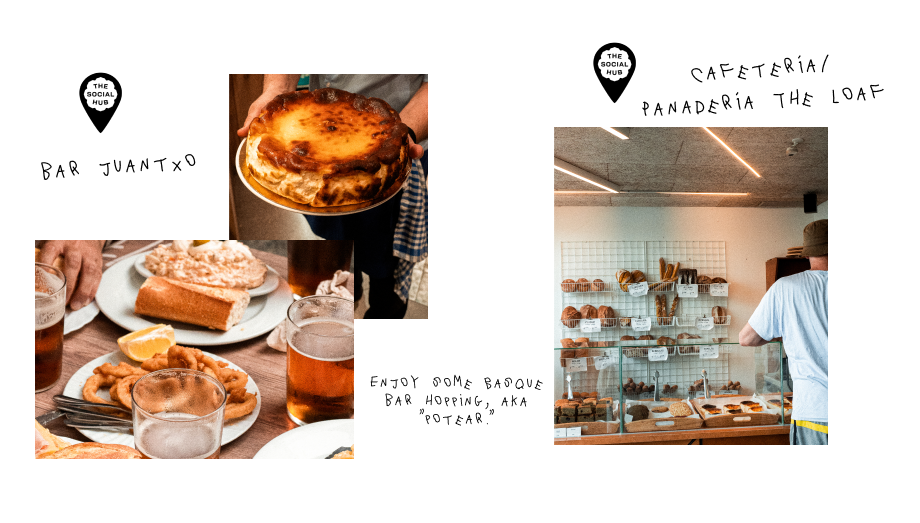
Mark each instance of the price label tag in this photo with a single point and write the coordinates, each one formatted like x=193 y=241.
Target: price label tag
x=704 y=324
x=641 y=324
x=577 y=365
x=718 y=289
x=573 y=432
x=591 y=325
x=658 y=354
x=602 y=362
x=688 y=291
x=709 y=352
x=559 y=433
x=638 y=289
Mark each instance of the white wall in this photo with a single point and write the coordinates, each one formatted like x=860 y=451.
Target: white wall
x=752 y=236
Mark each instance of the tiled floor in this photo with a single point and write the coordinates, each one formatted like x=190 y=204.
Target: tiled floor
x=418 y=294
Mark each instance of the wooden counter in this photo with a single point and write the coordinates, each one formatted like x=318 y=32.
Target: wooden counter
x=769 y=435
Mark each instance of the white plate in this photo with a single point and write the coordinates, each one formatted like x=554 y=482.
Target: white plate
x=121 y=283
x=313 y=441
x=74 y=389
x=70 y=440
x=271 y=277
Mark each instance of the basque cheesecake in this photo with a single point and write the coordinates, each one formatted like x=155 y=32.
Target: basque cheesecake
x=327 y=147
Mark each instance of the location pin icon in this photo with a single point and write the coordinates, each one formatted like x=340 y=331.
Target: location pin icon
x=100 y=95
x=614 y=65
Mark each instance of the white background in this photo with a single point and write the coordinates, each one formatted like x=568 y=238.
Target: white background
x=505 y=74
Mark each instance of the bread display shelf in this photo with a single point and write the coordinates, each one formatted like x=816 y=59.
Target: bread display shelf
x=694 y=350
x=769 y=416
x=643 y=353
x=662 y=286
x=703 y=288
x=663 y=420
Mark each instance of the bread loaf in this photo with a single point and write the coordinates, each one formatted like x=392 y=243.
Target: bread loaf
x=581 y=342
x=703 y=280
x=212 y=307
x=719 y=280
x=588 y=312
x=664 y=340
x=638 y=276
x=662 y=268
x=718 y=315
x=625 y=278
x=567 y=343
x=674 y=306
x=627 y=338
x=646 y=337
x=583 y=285
x=568 y=285
x=606 y=314
x=566 y=354
x=667 y=272
x=598 y=285
x=625 y=322
x=570 y=317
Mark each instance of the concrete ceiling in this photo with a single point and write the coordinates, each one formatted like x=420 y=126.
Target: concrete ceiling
x=689 y=159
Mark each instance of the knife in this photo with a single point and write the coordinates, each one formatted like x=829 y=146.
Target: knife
x=50 y=416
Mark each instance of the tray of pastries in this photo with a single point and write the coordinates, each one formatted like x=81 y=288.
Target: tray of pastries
x=594 y=415
x=667 y=414
x=735 y=411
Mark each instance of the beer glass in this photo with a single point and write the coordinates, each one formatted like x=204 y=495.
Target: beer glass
x=178 y=414
x=321 y=359
x=50 y=300
x=312 y=261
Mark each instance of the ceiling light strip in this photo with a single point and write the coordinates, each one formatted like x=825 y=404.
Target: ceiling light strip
x=584 y=175
x=616 y=133
x=733 y=152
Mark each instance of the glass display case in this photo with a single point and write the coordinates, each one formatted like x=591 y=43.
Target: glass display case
x=639 y=386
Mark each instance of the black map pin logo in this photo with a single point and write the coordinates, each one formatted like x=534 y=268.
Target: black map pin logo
x=614 y=65
x=100 y=95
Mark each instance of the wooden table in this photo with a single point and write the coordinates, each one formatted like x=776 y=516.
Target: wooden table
x=265 y=365
x=766 y=435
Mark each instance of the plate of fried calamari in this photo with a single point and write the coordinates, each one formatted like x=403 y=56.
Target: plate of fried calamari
x=109 y=379
x=321 y=440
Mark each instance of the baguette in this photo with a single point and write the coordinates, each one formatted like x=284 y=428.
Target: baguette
x=662 y=268
x=674 y=306
x=667 y=272
x=211 y=307
x=674 y=272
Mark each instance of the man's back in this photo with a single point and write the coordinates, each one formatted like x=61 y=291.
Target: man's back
x=795 y=308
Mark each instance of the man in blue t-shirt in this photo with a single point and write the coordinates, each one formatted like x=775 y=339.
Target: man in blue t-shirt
x=795 y=309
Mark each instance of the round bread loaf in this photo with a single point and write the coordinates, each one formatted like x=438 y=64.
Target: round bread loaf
x=583 y=285
x=638 y=412
x=606 y=314
x=719 y=280
x=570 y=317
x=588 y=312
x=703 y=280
x=638 y=276
x=627 y=338
x=680 y=409
x=568 y=285
x=581 y=342
x=567 y=343
x=598 y=285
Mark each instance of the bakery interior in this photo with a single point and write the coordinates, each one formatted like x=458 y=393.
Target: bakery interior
x=727 y=203
x=251 y=218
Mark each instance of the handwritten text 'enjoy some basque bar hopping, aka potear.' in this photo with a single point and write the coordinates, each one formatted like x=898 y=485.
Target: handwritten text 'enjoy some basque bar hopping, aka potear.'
x=456 y=409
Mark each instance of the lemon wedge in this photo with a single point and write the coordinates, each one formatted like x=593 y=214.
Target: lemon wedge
x=148 y=342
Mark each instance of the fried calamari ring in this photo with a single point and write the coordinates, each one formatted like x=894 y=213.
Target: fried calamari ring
x=207 y=362
x=123 y=389
x=223 y=364
x=122 y=370
x=158 y=362
x=233 y=379
x=236 y=396
x=182 y=358
x=92 y=387
x=238 y=410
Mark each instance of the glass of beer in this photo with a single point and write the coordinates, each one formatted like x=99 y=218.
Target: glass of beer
x=178 y=414
x=50 y=300
x=312 y=261
x=321 y=359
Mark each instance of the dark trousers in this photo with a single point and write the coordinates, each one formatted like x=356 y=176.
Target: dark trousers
x=372 y=232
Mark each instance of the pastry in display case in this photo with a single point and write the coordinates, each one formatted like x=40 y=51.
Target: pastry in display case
x=720 y=385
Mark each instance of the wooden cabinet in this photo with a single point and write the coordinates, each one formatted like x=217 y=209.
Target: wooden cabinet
x=780 y=267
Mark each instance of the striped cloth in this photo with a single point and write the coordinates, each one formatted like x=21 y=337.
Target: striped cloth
x=410 y=243
x=808 y=433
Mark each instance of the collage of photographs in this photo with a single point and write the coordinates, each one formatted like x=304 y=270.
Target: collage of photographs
x=244 y=348
x=691 y=285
